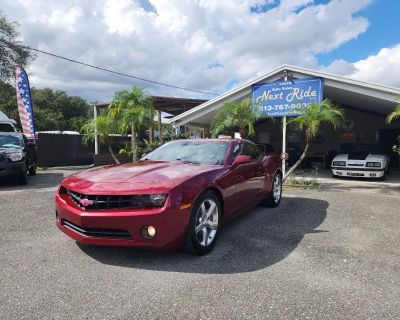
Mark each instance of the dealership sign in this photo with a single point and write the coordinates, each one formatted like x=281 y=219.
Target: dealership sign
x=286 y=98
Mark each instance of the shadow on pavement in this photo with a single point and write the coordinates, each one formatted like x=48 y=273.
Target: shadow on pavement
x=253 y=241
x=41 y=180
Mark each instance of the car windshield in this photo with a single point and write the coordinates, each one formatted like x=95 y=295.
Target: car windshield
x=362 y=149
x=10 y=142
x=6 y=127
x=199 y=152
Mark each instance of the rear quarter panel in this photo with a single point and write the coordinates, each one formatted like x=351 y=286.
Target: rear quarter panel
x=272 y=165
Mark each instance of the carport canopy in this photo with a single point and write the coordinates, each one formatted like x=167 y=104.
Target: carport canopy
x=359 y=95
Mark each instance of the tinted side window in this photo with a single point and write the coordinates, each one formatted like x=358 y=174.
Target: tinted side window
x=237 y=149
x=259 y=153
x=246 y=150
x=249 y=150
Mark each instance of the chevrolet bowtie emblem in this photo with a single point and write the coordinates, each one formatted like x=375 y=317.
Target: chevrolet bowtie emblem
x=85 y=202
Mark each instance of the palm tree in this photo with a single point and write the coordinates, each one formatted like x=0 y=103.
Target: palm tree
x=394 y=115
x=311 y=121
x=102 y=126
x=236 y=114
x=134 y=110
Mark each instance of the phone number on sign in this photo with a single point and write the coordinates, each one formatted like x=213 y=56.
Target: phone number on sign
x=286 y=106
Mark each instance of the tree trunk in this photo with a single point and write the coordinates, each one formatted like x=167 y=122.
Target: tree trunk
x=159 y=125
x=112 y=152
x=133 y=143
x=151 y=128
x=243 y=133
x=298 y=161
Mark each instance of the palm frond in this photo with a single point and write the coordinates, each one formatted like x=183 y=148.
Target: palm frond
x=394 y=115
x=317 y=114
x=232 y=115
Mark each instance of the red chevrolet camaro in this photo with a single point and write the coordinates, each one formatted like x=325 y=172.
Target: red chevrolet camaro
x=177 y=196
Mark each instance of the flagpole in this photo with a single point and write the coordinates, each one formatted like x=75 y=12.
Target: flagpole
x=96 y=138
x=284 y=137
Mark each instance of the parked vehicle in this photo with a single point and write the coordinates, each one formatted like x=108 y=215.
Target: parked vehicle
x=18 y=156
x=6 y=124
x=176 y=196
x=360 y=160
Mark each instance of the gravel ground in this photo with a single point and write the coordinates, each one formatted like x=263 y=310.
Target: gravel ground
x=323 y=254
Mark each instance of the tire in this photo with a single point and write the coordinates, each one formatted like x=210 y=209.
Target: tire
x=274 y=198
x=23 y=178
x=206 y=217
x=32 y=169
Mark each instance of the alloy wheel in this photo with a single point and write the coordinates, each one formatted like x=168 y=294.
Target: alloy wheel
x=206 y=222
x=277 y=188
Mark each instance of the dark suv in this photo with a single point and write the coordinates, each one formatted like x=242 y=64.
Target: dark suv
x=17 y=156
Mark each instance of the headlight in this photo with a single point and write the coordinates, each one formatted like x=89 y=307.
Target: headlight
x=16 y=156
x=155 y=200
x=373 y=164
x=339 y=163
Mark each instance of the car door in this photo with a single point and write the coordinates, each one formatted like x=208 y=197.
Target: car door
x=241 y=183
x=255 y=174
x=233 y=183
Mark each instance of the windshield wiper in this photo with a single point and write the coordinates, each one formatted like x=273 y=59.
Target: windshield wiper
x=189 y=161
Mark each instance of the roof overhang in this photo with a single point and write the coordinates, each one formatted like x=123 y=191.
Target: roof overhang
x=171 y=105
x=344 y=91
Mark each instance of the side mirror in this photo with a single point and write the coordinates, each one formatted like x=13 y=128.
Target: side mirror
x=30 y=144
x=242 y=159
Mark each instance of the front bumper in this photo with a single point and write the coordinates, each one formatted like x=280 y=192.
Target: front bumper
x=358 y=172
x=12 y=168
x=122 y=227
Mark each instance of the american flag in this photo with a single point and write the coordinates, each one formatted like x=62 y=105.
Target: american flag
x=24 y=102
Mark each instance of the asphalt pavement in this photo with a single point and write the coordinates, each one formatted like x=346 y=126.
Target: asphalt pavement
x=323 y=254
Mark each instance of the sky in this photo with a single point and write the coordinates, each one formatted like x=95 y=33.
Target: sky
x=205 y=45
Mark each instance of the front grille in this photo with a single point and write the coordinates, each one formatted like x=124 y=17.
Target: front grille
x=356 y=164
x=355 y=174
x=97 y=232
x=107 y=202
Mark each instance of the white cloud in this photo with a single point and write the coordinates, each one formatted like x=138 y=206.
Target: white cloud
x=382 y=68
x=204 y=44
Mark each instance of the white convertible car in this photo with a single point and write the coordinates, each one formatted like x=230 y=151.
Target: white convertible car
x=360 y=160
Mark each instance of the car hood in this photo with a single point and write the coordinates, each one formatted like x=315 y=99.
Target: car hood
x=10 y=150
x=146 y=176
x=365 y=157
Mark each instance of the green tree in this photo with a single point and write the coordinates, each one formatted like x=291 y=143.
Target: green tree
x=237 y=114
x=103 y=126
x=12 y=51
x=61 y=109
x=310 y=122
x=133 y=109
x=393 y=116
x=53 y=110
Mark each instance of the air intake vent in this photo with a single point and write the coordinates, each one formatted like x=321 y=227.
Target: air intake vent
x=97 y=233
